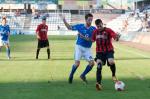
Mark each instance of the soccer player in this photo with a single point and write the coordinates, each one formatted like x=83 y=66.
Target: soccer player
x=104 y=50
x=83 y=46
x=41 y=33
x=4 y=36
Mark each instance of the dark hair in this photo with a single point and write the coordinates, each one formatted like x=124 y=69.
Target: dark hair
x=4 y=18
x=98 y=21
x=44 y=18
x=88 y=15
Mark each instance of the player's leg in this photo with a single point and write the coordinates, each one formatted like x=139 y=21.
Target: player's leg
x=100 y=59
x=37 y=53
x=77 y=57
x=48 y=49
x=0 y=48
x=73 y=70
x=87 y=70
x=1 y=45
x=112 y=65
x=7 y=50
x=89 y=58
x=99 y=75
x=38 y=48
x=48 y=52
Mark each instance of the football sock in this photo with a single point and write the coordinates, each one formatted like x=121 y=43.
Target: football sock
x=74 y=68
x=48 y=53
x=99 y=73
x=8 y=52
x=37 y=53
x=87 y=69
x=113 y=69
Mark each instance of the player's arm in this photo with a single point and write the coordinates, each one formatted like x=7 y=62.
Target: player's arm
x=117 y=36
x=65 y=22
x=84 y=37
x=37 y=33
x=8 y=32
x=114 y=35
x=92 y=39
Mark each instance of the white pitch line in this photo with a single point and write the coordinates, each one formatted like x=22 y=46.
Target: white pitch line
x=133 y=52
x=141 y=77
x=137 y=75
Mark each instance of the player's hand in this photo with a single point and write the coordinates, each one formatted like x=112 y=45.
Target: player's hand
x=88 y=39
x=118 y=36
x=84 y=37
x=62 y=16
x=80 y=35
x=38 y=37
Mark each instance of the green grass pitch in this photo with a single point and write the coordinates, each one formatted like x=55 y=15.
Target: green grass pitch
x=23 y=77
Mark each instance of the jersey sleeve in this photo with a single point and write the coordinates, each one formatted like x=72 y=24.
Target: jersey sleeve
x=94 y=36
x=112 y=33
x=8 y=29
x=75 y=27
x=38 y=28
x=47 y=28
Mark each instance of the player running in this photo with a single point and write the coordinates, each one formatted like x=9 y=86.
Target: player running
x=83 y=46
x=4 y=36
x=41 y=33
x=104 y=50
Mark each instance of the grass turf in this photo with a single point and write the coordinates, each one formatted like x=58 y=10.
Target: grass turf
x=23 y=77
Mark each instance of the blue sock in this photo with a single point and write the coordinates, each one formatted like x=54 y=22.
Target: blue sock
x=8 y=52
x=88 y=68
x=74 y=68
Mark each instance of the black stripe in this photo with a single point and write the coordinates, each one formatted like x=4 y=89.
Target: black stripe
x=101 y=40
x=98 y=41
x=106 y=40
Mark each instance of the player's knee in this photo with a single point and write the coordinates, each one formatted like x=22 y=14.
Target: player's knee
x=99 y=63
x=7 y=46
x=77 y=63
x=111 y=61
x=91 y=63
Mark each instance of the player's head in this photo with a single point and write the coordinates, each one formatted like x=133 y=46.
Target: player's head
x=88 y=19
x=4 y=20
x=99 y=24
x=43 y=20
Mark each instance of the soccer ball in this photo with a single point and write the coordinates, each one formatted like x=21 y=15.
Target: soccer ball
x=119 y=85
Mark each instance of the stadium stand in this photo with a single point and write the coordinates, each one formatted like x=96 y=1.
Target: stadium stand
x=27 y=24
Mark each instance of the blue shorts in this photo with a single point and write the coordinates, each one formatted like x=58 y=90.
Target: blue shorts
x=104 y=56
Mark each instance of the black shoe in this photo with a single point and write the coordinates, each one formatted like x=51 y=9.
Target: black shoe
x=70 y=80
x=49 y=57
x=83 y=78
x=98 y=87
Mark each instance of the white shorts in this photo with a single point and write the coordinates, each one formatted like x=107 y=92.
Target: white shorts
x=2 y=43
x=82 y=52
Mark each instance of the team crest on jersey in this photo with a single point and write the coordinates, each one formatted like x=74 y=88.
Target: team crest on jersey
x=43 y=30
x=101 y=37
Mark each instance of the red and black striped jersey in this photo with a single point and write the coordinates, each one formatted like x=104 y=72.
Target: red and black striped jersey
x=42 y=31
x=103 y=39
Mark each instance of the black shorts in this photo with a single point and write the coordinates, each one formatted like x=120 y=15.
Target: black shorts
x=43 y=43
x=104 y=56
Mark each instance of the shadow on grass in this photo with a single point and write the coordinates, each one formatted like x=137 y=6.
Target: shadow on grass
x=132 y=58
x=65 y=58
x=137 y=89
x=31 y=59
